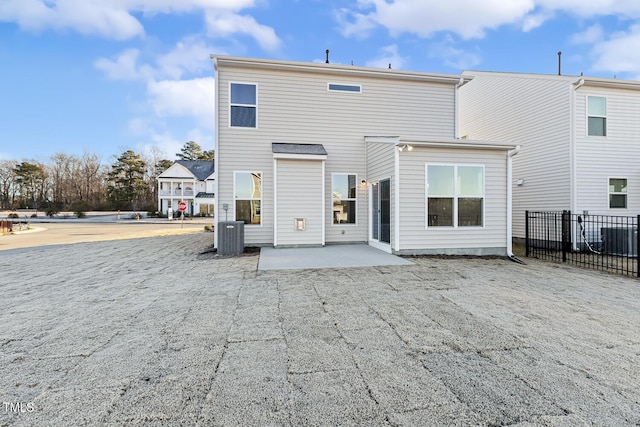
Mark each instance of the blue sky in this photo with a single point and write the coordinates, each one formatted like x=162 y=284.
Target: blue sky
x=105 y=76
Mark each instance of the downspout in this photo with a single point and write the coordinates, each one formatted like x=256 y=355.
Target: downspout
x=510 y=254
x=456 y=109
x=396 y=197
x=216 y=153
x=573 y=197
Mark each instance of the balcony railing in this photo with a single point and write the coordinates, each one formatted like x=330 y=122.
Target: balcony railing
x=188 y=193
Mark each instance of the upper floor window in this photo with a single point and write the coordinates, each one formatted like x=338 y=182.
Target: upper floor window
x=617 y=193
x=244 y=109
x=338 y=87
x=455 y=196
x=597 y=116
x=344 y=192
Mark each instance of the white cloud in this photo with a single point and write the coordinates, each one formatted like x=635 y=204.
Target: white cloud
x=100 y=18
x=469 y=18
x=113 y=19
x=168 y=145
x=620 y=53
x=189 y=55
x=124 y=66
x=591 y=35
x=225 y=24
x=452 y=56
x=194 y=98
x=389 y=55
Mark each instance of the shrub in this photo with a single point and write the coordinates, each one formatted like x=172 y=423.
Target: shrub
x=51 y=212
x=79 y=208
x=34 y=215
x=208 y=227
x=14 y=215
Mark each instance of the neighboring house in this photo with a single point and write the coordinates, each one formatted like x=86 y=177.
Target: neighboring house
x=191 y=181
x=579 y=137
x=310 y=154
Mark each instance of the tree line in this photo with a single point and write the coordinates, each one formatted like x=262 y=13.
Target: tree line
x=80 y=183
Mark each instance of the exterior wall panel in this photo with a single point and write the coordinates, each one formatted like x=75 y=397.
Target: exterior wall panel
x=416 y=236
x=296 y=107
x=616 y=155
x=535 y=113
x=299 y=195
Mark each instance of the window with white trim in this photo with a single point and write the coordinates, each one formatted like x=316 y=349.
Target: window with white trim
x=617 y=193
x=247 y=187
x=340 y=87
x=455 y=195
x=344 y=192
x=243 y=105
x=597 y=116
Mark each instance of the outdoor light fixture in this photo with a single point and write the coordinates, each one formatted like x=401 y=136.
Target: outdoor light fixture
x=363 y=182
x=405 y=147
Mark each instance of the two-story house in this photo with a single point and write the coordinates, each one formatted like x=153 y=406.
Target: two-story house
x=579 y=139
x=311 y=154
x=189 y=181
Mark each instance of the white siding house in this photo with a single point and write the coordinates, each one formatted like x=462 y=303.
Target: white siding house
x=190 y=181
x=342 y=154
x=563 y=164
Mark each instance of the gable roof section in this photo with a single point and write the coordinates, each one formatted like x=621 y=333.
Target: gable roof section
x=337 y=69
x=298 y=151
x=200 y=169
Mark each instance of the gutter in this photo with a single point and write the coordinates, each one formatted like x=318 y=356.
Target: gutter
x=456 y=107
x=216 y=152
x=510 y=155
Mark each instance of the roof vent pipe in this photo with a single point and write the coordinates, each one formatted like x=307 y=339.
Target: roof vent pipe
x=559 y=63
x=327 y=52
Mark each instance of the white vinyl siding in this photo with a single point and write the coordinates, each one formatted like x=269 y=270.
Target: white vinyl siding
x=296 y=107
x=299 y=195
x=534 y=112
x=616 y=157
x=415 y=235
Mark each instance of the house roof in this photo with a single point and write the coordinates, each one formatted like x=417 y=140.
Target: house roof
x=201 y=169
x=575 y=80
x=306 y=149
x=202 y=194
x=338 y=69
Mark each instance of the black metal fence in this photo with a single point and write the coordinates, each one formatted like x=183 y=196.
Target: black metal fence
x=601 y=242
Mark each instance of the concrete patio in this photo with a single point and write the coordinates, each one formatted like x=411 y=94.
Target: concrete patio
x=153 y=331
x=330 y=256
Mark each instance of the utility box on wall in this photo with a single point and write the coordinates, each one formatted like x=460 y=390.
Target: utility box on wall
x=231 y=237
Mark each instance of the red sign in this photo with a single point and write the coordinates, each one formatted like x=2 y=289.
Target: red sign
x=182 y=206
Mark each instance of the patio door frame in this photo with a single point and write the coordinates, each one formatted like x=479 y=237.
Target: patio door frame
x=375 y=215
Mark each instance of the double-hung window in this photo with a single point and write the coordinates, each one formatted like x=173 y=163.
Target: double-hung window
x=248 y=196
x=455 y=195
x=344 y=192
x=597 y=116
x=243 y=106
x=617 y=193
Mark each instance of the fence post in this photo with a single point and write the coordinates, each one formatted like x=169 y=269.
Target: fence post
x=566 y=234
x=526 y=234
x=637 y=246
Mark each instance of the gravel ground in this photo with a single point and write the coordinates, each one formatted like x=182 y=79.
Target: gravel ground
x=153 y=331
